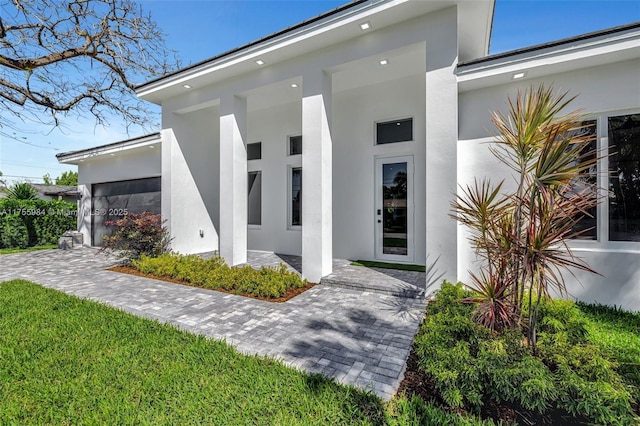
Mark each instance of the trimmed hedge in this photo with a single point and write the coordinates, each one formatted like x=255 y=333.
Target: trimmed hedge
x=28 y=223
x=215 y=274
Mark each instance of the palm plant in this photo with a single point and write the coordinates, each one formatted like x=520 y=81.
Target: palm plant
x=22 y=191
x=522 y=236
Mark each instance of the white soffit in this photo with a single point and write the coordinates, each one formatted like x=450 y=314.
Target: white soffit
x=322 y=33
x=545 y=61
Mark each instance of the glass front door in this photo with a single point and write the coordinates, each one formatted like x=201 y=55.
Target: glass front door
x=394 y=208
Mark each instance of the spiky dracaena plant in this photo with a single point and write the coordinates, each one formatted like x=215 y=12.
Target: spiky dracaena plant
x=521 y=236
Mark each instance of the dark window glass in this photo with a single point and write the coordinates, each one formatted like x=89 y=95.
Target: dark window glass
x=254 y=216
x=254 y=151
x=394 y=217
x=296 y=196
x=295 y=145
x=624 y=178
x=394 y=131
x=587 y=224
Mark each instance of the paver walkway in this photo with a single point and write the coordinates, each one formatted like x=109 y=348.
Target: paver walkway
x=359 y=338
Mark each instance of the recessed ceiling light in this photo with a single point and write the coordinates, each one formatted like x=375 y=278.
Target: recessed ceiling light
x=519 y=75
x=186 y=86
x=112 y=154
x=384 y=61
x=294 y=85
x=260 y=62
x=365 y=26
x=151 y=146
x=82 y=161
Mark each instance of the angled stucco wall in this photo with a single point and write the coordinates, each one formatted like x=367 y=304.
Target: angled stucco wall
x=190 y=185
x=607 y=89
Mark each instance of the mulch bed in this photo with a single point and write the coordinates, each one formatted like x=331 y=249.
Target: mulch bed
x=290 y=294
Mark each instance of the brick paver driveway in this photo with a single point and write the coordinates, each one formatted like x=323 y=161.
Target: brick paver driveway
x=360 y=338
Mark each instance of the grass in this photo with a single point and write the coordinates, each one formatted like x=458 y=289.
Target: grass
x=28 y=249
x=64 y=360
x=386 y=265
x=617 y=332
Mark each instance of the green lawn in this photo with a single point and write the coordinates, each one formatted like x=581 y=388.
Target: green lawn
x=64 y=360
x=618 y=333
x=28 y=249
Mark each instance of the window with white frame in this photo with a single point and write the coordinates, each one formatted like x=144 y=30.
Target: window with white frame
x=618 y=221
x=254 y=204
x=586 y=228
x=394 y=131
x=623 y=132
x=295 y=145
x=295 y=197
x=254 y=151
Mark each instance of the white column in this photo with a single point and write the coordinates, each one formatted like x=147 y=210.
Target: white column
x=233 y=179
x=317 y=226
x=166 y=181
x=442 y=139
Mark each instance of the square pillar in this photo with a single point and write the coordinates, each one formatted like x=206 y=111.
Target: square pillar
x=233 y=179
x=441 y=98
x=317 y=225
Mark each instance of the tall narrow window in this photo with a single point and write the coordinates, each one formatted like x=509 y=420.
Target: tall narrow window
x=587 y=224
x=624 y=178
x=394 y=131
x=295 y=145
x=254 y=204
x=296 y=197
x=254 y=151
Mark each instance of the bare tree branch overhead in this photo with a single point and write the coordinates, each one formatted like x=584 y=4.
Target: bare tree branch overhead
x=79 y=57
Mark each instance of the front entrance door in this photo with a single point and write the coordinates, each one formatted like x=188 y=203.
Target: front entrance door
x=394 y=209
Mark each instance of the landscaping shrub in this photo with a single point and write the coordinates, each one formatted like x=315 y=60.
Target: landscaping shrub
x=215 y=274
x=470 y=364
x=137 y=235
x=27 y=223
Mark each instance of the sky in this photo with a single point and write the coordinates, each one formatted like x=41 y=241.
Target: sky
x=200 y=29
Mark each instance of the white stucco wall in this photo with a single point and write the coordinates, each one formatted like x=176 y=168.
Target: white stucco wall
x=190 y=184
x=607 y=89
x=354 y=152
x=129 y=164
x=272 y=127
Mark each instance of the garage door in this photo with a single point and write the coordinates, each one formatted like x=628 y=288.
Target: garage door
x=112 y=200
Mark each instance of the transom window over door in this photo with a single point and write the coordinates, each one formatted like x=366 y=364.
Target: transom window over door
x=394 y=131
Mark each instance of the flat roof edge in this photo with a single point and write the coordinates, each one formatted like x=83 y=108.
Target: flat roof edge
x=128 y=143
x=257 y=42
x=542 y=46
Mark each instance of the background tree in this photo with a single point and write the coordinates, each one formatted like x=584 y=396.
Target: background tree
x=47 y=179
x=83 y=56
x=2 y=182
x=67 y=178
